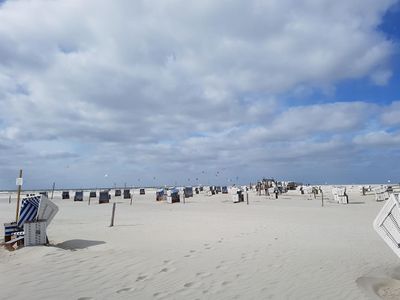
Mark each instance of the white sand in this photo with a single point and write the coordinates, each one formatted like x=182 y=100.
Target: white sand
x=208 y=248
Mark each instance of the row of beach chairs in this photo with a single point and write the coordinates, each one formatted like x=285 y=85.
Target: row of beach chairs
x=104 y=196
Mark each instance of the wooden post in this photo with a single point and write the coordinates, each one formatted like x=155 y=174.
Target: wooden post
x=9 y=199
x=52 y=191
x=247 y=197
x=89 y=199
x=112 y=216
x=322 y=199
x=18 y=195
x=131 y=198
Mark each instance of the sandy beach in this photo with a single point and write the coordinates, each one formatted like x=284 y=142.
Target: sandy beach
x=207 y=248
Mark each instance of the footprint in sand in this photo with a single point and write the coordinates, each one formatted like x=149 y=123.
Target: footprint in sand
x=188 y=284
x=221 y=267
x=160 y=294
x=85 y=298
x=380 y=288
x=124 y=290
x=141 y=278
x=166 y=270
x=203 y=275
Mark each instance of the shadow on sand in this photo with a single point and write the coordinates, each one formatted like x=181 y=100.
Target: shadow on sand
x=74 y=245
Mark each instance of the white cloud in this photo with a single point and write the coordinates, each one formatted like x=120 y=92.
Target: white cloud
x=378 y=138
x=391 y=115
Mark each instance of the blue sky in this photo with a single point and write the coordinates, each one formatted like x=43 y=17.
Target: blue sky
x=178 y=92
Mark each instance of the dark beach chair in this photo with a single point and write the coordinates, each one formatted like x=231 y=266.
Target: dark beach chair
x=104 y=197
x=78 y=196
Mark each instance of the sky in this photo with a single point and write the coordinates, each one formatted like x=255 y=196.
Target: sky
x=101 y=93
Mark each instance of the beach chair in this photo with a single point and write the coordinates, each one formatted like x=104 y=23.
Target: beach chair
x=92 y=194
x=78 y=196
x=142 y=192
x=340 y=196
x=117 y=193
x=35 y=214
x=173 y=196
x=387 y=223
x=212 y=189
x=381 y=193
x=104 y=197
x=160 y=195
x=237 y=195
x=65 y=195
x=188 y=191
x=127 y=194
x=224 y=190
